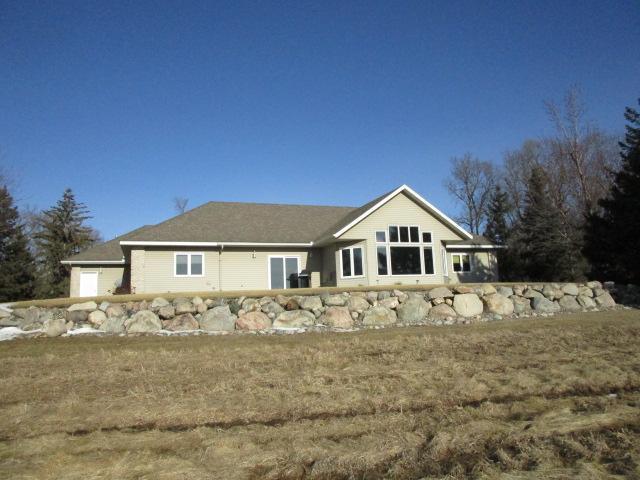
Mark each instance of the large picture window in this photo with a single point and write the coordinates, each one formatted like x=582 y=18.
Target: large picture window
x=407 y=252
x=405 y=261
x=352 y=262
x=189 y=264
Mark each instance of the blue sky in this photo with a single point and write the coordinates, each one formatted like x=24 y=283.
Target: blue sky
x=133 y=103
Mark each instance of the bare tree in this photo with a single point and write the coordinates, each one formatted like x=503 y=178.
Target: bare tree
x=583 y=152
x=180 y=204
x=471 y=183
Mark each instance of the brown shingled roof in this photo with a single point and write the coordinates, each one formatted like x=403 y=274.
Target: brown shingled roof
x=107 y=251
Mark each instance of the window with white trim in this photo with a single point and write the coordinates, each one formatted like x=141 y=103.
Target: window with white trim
x=407 y=252
x=461 y=262
x=188 y=264
x=351 y=261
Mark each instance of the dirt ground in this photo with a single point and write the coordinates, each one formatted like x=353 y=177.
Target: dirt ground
x=551 y=398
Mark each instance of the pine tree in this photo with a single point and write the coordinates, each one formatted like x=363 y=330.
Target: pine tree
x=612 y=236
x=62 y=234
x=548 y=251
x=17 y=267
x=497 y=229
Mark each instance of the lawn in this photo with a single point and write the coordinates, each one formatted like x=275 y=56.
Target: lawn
x=528 y=399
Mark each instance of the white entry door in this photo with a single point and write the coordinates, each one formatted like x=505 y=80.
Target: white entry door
x=88 y=284
x=280 y=271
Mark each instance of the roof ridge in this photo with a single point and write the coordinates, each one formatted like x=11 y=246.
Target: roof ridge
x=277 y=204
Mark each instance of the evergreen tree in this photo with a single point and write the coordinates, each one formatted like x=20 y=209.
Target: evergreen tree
x=612 y=236
x=17 y=267
x=497 y=229
x=547 y=249
x=501 y=233
x=62 y=234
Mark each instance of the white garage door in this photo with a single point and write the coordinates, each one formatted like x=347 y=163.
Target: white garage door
x=88 y=284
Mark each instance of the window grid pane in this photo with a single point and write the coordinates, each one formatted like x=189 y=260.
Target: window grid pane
x=182 y=266
x=357 y=261
x=426 y=237
x=414 y=234
x=466 y=265
x=393 y=234
x=382 y=260
x=381 y=236
x=404 y=234
x=346 y=263
x=428 y=261
x=456 y=263
x=196 y=264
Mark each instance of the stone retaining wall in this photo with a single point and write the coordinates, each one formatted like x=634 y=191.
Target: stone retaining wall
x=459 y=304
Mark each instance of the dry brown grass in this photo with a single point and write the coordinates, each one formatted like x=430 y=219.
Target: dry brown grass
x=548 y=398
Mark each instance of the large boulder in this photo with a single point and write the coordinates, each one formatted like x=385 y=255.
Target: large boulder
x=97 y=317
x=294 y=319
x=104 y=305
x=159 y=302
x=531 y=293
x=272 y=308
x=337 y=317
x=338 y=300
x=569 y=303
x=77 y=316
x=113 y=325
x=552 y=292
x=544 y=305
x=184 y=307
x=504 y=291
x=521 y=304
x=251 y=305
x=379 y=316
x=253 y=321
x=310 y=303
x=167 y=312
x=593 y=285
x=142 y=322
x=413 y=310
x=445 y=312
x=390 y=302
x=464 y=304
x=357 y=304
x=586 y=301
x=487 y=289
x=570 y=289
x=183 y=322
x=464 y=289
x=27 y=315
x=605 y=300
x=115 y=310
x=498 y=304
x=86 y=306
x=440 y=292
x=585 y=291
x=54 y=327
x=218 y=319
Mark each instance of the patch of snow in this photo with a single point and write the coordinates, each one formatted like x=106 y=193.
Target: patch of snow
x=83 y=331
x=9 y=333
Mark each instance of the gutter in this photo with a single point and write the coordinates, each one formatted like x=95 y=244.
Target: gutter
x=211 y=244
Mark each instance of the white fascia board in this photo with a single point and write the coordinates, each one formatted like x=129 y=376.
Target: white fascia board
x=414 y=194
x=92 y=262
x=211 y=244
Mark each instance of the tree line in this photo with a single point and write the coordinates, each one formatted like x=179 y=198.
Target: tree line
x=32 y=244
x=563 y=207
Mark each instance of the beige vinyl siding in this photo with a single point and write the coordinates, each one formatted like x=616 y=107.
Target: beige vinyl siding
x=400 y=210
x=109 y=277
x=352 y=281
x=484 y=267
x=159 y=272
x=329 y=266
x=232 y=269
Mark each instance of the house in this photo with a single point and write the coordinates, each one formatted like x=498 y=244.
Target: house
x=397 y=238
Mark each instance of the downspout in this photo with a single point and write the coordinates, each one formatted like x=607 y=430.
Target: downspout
x=220 y=267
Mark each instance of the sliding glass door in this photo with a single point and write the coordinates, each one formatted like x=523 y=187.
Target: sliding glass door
x=281 y=269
